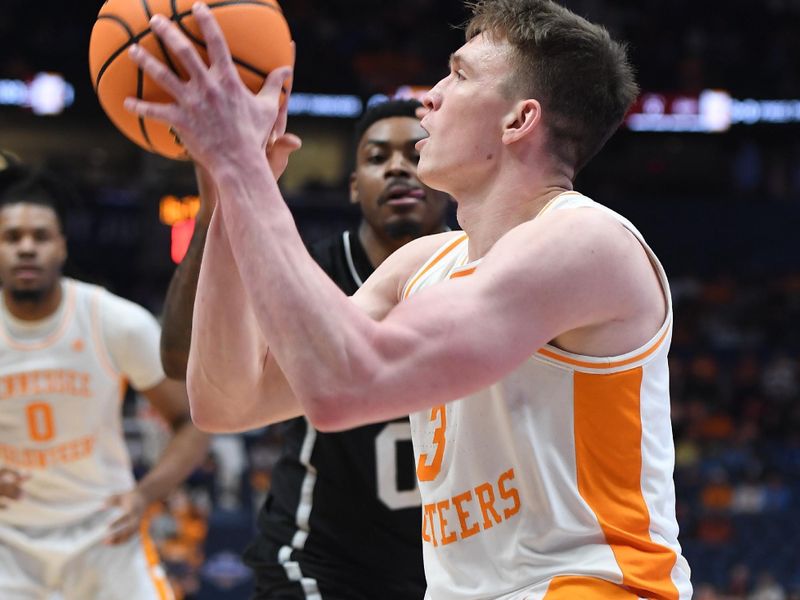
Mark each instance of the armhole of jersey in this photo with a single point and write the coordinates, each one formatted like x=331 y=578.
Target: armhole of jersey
x=98 y=335
x=443 y=251
x=644 y=353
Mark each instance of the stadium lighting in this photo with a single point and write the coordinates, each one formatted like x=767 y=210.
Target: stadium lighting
x=44 y=94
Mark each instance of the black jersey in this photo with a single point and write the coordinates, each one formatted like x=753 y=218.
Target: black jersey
x=342 y=520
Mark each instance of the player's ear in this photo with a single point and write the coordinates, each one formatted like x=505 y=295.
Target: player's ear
x=521 y=120
x=353 y=188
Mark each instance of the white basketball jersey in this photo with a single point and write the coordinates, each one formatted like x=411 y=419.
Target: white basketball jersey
x=562 y=468
x=60 y=416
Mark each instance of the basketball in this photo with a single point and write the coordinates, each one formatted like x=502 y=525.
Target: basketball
x=256 y=32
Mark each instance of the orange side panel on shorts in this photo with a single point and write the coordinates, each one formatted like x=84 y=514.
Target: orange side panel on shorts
x=608 y=449
x=151 y=554
x=586 y=588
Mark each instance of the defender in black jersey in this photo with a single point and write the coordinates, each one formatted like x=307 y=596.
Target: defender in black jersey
x=342 y=520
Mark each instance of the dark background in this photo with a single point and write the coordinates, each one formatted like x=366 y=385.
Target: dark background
x=721 y=210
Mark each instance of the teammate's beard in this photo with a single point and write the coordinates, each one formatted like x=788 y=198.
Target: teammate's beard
x=28 y=295
x=401 y=229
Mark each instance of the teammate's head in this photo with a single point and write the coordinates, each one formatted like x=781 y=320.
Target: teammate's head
x=32 y=244
x=394 y=203
x=532 y=70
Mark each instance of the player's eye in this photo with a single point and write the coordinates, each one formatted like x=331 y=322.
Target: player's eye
x=376 y=159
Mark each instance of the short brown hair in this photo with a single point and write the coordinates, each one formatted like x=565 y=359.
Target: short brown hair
x=581 y=77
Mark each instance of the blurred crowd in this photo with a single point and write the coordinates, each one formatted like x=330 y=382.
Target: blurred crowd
x=735 y=361
x=363 y=47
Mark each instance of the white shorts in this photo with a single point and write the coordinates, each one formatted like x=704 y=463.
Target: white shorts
x=73 y=563
x=576 y=588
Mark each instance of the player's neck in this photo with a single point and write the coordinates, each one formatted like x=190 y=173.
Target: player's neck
x=34 y=309
x=487 y=221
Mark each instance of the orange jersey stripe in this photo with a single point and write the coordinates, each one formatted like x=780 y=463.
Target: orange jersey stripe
x=586 y=588
x=463 y=273
x=600 y=364
x=442 y=254
x=608 y=442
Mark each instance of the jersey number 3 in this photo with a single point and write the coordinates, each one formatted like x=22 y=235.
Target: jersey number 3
x=428 y=471
x=40 y=421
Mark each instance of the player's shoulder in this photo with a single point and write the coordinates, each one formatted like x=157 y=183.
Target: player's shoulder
x=115 y=311
x=414 y=254
x=577 y=228
x=410 y=258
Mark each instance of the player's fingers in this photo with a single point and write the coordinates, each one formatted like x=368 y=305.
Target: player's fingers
x=219 y=53
x=280 y=151
x=157 y=71
x=153 y=110
x=180 y=46
x=114 y=500
x=11 y=491
x=276 y=81
x=121 y=530
x=283 y=111
x=288 y=85
x=286 y=144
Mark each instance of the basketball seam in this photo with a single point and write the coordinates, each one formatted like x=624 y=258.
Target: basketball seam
x=135 y=38
x=139 y=93
x=140 y=80
x=178 y=21
x=131 y=35
x=167 y=57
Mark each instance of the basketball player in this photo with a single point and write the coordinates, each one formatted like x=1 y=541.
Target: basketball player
x=70 y=510
x=530 y=350
x=341 y=521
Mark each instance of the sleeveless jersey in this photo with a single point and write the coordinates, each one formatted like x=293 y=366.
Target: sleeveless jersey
x=343 y=514
x=561 y=469
x=60 y=416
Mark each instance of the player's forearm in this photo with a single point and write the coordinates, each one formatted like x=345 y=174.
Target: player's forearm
x=176 y=332
x=320 y=339
x=233 y=385
x=186 y=450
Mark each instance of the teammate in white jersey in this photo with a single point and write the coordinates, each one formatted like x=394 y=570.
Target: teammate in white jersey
x=70 y=510
x=532 y=347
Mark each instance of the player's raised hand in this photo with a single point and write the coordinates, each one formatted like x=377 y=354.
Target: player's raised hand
x=11 y=485
x=218 y=119
x=133 y=506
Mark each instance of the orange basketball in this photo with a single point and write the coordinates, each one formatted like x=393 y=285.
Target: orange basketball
x=255 y=30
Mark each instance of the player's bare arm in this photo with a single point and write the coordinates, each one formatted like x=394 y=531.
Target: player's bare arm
x=11 y=482
x=176 y=332
x=575 y=276
x=185 y=451
x=344 y=367
x=230 y=394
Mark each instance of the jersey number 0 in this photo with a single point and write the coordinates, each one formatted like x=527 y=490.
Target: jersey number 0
x=40 y=421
